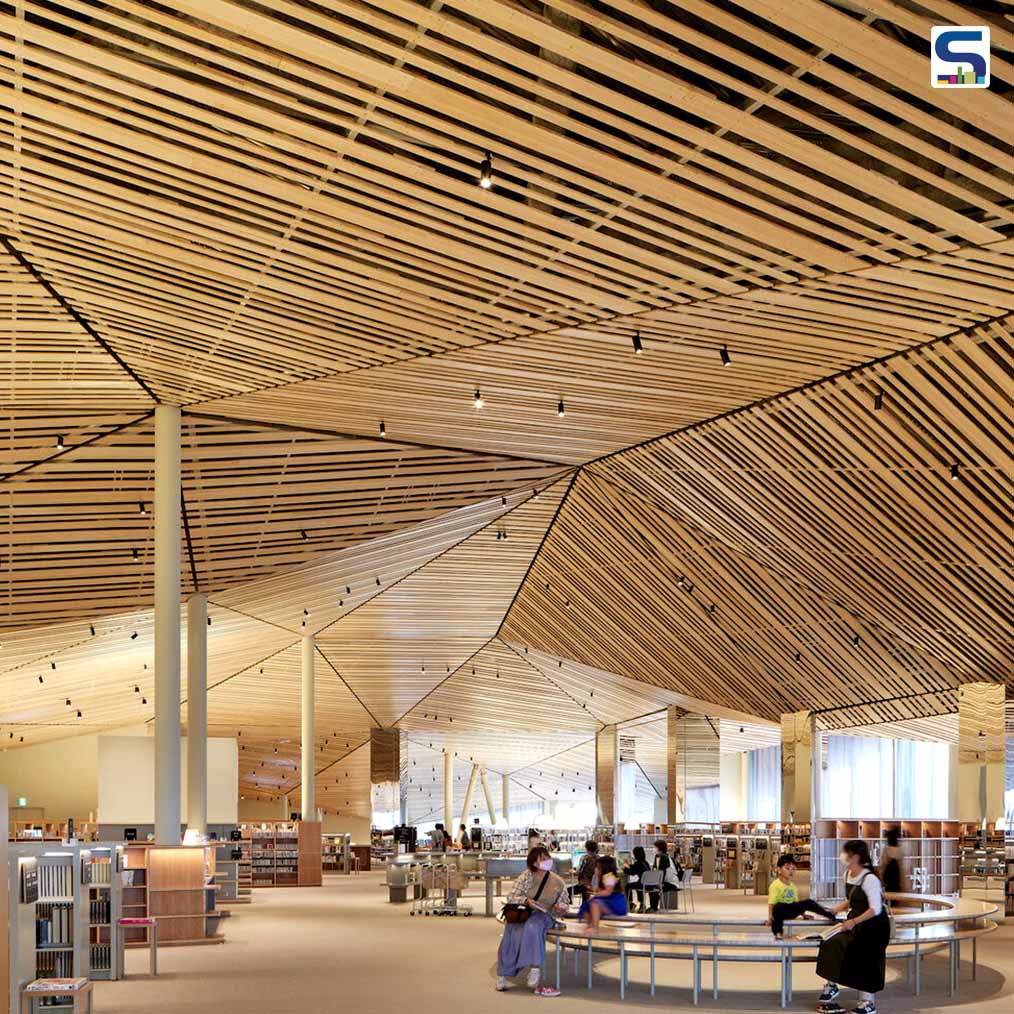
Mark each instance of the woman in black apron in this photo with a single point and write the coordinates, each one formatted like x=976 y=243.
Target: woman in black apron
x=856 y=956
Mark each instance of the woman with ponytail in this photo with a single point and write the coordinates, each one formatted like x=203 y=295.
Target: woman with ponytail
x=856 y=955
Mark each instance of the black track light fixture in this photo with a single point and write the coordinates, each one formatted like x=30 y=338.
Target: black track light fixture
x=560 y=409
x=133 y=636
x=477 y=400
x=41 y=680
x=383 y=429
x=59 y=443
x=91 y=628
x=724 y=353
x=135 y=555
x=303 y=535
x=799 y=656
x=486 y=171
x=955 y=468
x=855 y=640
x=878 y=401
x=636 y=342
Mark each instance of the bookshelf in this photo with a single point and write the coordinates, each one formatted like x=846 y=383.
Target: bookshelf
x=51 y=830
x=931 y=857
x=285 y=853
x=336 y=853
x=48 y=933
x=171 y=884
x=227 y=873
x=103 y=890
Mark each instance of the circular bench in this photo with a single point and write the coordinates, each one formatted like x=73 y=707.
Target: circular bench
x=946 y=924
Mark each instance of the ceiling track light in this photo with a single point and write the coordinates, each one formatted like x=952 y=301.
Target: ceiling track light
x=799 y=656
x=209 y=621
x=41 y=680
x=79 y=714
x=855 y=640
x=954 y=471
x=142 y=510
x=383 y=429
x=135 y=555
x=878 y=401
x=724 y=353
x=59 y=443
x=477 y=400
x=560 y=409
x=91 y=627
x=133 y=636
x=486 y=171
x=636 y=342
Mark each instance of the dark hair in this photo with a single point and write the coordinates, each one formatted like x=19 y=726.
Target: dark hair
x=785 y=860
x=463 y=828
x=591 y=846
x=860 y=850
x=639 y=853
x=607 y=864
x=892 y=834
x=661 y=845
x=439 y=827
x=535 y=854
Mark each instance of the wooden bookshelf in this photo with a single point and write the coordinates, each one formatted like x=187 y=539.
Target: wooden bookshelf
x=170 y=884
x=285 y=853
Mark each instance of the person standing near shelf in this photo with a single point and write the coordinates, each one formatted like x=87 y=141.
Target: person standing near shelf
x=856 y=955
x=464 y=841
x=783 y=898
x=892 y=874
x=523 y=944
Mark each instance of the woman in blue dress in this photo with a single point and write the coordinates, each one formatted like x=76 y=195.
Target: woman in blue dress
x=609 y=899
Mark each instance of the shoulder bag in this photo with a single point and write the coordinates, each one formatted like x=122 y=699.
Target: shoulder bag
x=518 y=911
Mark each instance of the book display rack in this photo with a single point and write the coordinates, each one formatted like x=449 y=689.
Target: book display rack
x=285 y=853
x=931 y=860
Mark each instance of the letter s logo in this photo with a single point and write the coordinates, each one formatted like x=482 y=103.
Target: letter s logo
x=945 y=40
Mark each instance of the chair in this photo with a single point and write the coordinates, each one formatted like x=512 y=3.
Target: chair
x=686 y=888
x=651 y=881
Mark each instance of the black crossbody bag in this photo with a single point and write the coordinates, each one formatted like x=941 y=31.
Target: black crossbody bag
x=518 y=911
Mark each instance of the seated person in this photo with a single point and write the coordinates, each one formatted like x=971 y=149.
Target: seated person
x=783 y=898
x=632 y=873
x=607 y=899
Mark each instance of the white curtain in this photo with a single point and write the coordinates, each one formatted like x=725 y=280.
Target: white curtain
x=859 y=778
x=872 y=776
x=764 y=784
x=702 y=804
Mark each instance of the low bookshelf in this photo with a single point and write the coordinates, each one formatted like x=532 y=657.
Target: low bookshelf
x=171 y=884
x=284 y=853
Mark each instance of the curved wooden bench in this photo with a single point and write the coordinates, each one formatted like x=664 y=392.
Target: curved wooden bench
x=699 y=938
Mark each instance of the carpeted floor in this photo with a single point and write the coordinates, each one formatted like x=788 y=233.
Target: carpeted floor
x=343 y=948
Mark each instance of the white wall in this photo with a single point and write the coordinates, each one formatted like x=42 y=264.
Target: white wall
x=61 y=776
x=126 y=780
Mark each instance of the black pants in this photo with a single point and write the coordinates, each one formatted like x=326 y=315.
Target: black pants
x=793 y=910
x=655 y=896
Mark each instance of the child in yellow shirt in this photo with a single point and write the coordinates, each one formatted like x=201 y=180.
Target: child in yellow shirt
x=783 y=898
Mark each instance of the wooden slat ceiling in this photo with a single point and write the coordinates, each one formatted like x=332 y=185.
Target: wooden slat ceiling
x=269 y=214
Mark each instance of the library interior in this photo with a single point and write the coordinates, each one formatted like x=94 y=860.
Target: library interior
x=507 y=498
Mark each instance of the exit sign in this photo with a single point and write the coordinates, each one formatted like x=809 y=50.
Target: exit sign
x=22 y=800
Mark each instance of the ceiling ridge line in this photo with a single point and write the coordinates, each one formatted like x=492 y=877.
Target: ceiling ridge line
x=538 y=551
x=68 y=449
x=786 y=578
x=918 y=349
x=77 y=317
x=426 y=746
x=317 y=648
x=250 y=616
x=545 y=675
x=337 y=760
x=374 y=438
x=443 y=552
x=239 y=672
x=553 y=756
x=599 y=321
x=449 y=676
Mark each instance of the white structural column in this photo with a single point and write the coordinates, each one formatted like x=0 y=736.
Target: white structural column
x=448 y=791
x=308 y=804
x=197 y=713
x=505 y=792
x=167 y=625
x=468 y=797
x=489 y=797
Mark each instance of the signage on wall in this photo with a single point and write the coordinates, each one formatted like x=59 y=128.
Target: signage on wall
x=22 y=800
x=29 y=881
x=628 y=748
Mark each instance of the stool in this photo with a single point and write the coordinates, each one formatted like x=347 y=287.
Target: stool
x=49 y=987
x=152 y=926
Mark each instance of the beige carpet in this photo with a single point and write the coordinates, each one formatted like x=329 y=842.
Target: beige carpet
x=342 y=948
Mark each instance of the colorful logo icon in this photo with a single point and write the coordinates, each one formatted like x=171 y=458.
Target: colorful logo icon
x=959 y=57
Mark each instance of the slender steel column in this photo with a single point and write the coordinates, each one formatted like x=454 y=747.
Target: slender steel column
x=449 y=791
x=308 y=804
x=505 y=792
x=197 y=713
x=167 y=624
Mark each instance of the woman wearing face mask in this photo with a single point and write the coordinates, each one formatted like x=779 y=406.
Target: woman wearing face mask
x=523 y=944
x=857 y=955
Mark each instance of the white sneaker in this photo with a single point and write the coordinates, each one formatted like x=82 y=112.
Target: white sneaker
x=502 y=984
x=533 y=977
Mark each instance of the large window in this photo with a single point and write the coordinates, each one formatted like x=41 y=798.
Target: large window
x=872 y=776
x=764 y=784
